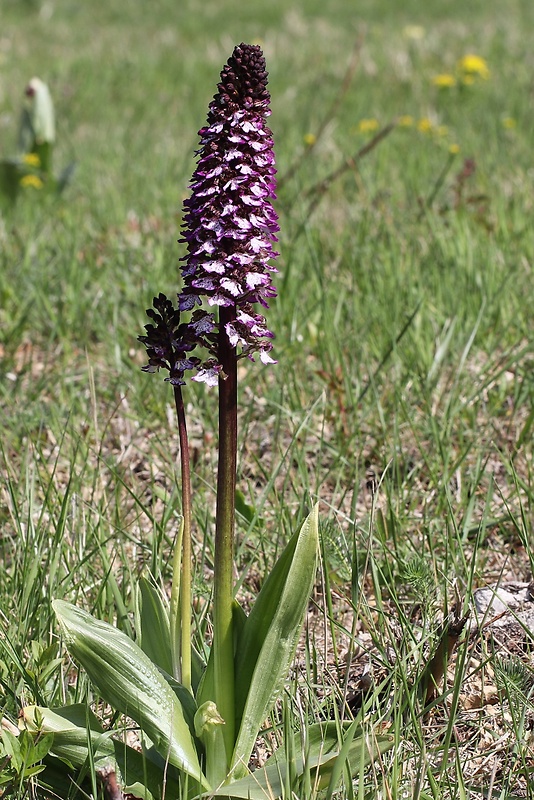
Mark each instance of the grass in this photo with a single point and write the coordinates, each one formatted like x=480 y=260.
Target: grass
x=403 y=395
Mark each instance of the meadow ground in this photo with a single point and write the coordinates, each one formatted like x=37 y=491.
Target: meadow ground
x=403 y=395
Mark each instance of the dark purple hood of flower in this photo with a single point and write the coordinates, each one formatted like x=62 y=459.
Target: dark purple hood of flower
x=230 y=225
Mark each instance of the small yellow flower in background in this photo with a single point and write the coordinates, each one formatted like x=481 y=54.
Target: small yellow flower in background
x=32 y=159
x=442 y=130
x=31 y=180
x=454 y=149
x=406 y=121
x=444 y=81
x=474 y=66
x=424 y=125
x=413 y=32
x=509 y=123
x=468 y=80
x=367 y=125
x=310 y=139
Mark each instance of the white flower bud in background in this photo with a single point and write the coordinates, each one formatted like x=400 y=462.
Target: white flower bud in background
x=41 y=111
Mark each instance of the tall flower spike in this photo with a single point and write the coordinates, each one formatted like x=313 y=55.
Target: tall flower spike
x=230 y=225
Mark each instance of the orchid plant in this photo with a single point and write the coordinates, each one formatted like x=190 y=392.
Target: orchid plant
x=199 y=721
x=30 y=171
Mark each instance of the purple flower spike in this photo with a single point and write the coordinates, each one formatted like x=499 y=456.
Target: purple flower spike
x=230 y=225
x=169 y=341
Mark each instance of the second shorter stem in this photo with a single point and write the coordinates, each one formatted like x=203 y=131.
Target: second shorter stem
x=184 y=668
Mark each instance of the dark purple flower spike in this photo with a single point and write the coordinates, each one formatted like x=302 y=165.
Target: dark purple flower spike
x=169 y=341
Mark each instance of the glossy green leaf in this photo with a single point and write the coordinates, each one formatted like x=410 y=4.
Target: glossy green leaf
x=270 y=634
x=129 y=681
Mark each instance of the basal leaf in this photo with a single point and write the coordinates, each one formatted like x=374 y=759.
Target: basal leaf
x=136 y=773
x=129 y=681
x=270 y=781
x=155 y=629
x=270 y=634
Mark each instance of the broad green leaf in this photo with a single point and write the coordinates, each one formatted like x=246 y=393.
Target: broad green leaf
x=185 y=698
x=136 y=773
x=155 y=629
x=131 y=683
x=31 y=772
x=324 y=749
x=270 y=634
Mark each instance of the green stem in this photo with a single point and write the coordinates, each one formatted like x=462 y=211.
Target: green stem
x=175 y=626
x=223 y=645
x=184 y=674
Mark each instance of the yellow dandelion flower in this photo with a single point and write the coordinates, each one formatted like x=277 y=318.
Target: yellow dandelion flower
x=406 y=121
x=367 y=125
x=32 y=160
x=509 y=122
x=413 y=32
x=442 y=130
x=424 y=125
x=454 y=149
x=31 y=180
x=444 y=81
x=474 y=65
x=309 y=139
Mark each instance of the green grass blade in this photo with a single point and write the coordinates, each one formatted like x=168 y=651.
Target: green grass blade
x=336 y=770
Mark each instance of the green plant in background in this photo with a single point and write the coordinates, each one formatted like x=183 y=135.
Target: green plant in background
x=30 y=171
x=198 y=721
x=21 y=756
